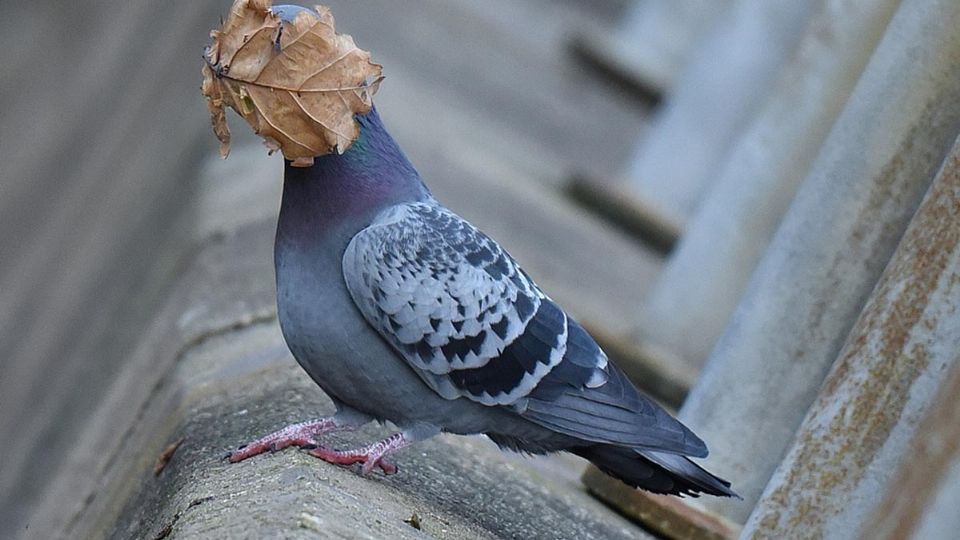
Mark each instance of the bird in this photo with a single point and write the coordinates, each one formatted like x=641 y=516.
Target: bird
x=401 y=311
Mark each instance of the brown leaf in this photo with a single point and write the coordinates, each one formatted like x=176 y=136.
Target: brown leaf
x=298 y=84
x=164 y=458
x=413 y=521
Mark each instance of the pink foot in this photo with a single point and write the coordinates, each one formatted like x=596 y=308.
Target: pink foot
x=370 y=456
x=302 y=434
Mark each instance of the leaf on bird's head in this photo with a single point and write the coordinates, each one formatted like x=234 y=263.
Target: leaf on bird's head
x=296 y=82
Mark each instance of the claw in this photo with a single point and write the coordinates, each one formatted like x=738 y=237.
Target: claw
x=385 y=466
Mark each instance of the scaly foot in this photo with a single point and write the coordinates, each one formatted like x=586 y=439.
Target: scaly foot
x=303 y=435
x=370 y=456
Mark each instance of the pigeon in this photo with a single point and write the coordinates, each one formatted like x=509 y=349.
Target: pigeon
x=403 y=312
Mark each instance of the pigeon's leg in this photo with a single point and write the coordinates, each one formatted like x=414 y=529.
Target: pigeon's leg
x=302 y=434
x=375 y=454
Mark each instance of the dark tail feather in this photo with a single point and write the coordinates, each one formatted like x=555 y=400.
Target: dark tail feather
x=655 y=471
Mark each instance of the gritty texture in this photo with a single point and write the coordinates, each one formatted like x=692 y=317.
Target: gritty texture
x=937 y=446
x=239 y=385
x=227 y=285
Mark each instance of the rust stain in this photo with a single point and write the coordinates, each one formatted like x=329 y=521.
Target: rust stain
x=883 y=357
x=895 y=192
x=936 y=446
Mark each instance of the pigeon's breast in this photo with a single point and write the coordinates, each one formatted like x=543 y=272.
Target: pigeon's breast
x=347 y=358
x=320 y=324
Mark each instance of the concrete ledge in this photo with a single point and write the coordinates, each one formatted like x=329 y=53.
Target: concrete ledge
x=236 y=386
x=226 y=283
x=214 y=372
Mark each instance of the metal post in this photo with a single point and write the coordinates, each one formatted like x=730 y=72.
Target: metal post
x=708 y=271
x=886 y=377
x=725 y=80
x=828 y=253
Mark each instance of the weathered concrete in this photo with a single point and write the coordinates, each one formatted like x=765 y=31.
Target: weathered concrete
x=100 y=130
x=713 y=100
x=236 y=386
x=103 y=129
x=861 y=425
x=653 y=42
x=618 y=204
x=698 y=289
x=501 y=66
x=229 y=284
x=825 y=258
x=214 y=371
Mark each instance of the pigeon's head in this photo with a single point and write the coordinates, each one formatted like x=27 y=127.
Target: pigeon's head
x=291 y=76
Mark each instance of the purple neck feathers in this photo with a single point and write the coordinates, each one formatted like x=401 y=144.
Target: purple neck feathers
x=339 y=194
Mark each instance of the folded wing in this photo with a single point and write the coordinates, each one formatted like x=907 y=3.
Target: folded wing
x=473 y=325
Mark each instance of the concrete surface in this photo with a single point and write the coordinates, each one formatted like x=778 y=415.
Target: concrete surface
x=103 y=134
x=654 y=40
x=236 y=386
x=214 y=371
x=930 y=513
x=212 y=297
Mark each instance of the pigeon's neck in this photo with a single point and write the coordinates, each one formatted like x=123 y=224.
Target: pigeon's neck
x=340 y=194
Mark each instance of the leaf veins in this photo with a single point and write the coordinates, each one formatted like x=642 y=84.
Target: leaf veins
x=291 y=77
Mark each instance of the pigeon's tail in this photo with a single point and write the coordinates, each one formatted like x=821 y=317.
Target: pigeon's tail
x=655 y=471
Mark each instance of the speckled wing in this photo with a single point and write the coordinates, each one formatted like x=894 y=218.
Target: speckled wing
x=455 y=305
x=461 y=312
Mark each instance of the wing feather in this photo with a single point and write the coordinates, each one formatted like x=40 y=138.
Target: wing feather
x=472 y=324
x=454 y=304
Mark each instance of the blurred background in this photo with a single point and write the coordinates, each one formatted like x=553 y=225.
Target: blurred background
x=765 y=188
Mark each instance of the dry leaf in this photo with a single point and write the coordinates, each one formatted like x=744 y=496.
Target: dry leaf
x=413 y=521
x=166 y=456
x=297 y=83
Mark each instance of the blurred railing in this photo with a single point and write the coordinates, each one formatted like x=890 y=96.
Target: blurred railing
x=818 y=292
